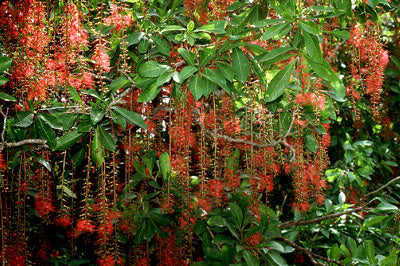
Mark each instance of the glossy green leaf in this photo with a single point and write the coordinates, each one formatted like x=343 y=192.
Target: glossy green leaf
x=24 y=119
x=46 y=132
x=250 y=259
x=279 y=83
x=67 y=140
x=164 y=77
x=79 y=156
x=67 y=191
x=96 y=151
x=227 y=70
x=255 y=66
x=53 y=121
x=5 y=63
x=217 y=77
x=150 y=93
x=206 y=55
x=187 y=72
x=152 y=69
x=276 y=258
x=343 y=34
x=97 y=114
x=237 y=214
x=106 y=139
x=162 y=45
x=188 y=56
x=323 y=69
x=134 y=38
x=3 y=80
x=131 y=117
x=75 y=95
x=311 y=143
x=164 y=162
x=241 y=65
x=310 y=27
x=42 y=161
x=217 y=221
x=312 y=47
x=118 y=83
x=272 y=31
x=6 y=97
x=216 y=26
x=195 y=87
x=274 y=53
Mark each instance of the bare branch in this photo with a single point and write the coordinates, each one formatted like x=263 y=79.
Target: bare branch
x=309 y=253
x=382 y=187
x=25 y=142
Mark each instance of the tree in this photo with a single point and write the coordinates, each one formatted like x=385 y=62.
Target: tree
x=199 y=132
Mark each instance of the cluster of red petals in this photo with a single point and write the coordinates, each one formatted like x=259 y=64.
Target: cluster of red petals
x=43 y=206
x=84 y=226
x=101 y=58
x=119 y=21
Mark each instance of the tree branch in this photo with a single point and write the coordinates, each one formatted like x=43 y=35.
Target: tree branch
x=335 y=215
x=336 y=49
x=24 y=142
x=309 y=253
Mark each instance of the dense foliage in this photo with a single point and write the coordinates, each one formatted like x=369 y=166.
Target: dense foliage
x=176 y=132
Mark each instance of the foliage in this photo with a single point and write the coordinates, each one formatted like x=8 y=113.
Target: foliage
x=179 y=132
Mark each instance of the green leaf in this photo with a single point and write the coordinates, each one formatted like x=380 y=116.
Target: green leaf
x=96 y=151
x=51 y=120
x=24 y=119
x=250 y=259
x=152 y=69
x=78 y=157
x=242 y=65
x=3 y=80
x=42 y=161
x=323 y=70
x=279 y=83
x=227 y=70
x=106 y=139
x=310 y=27
x=343 y=34
x=217 y=221
x=97 y=115
x=187 y=72
x=216 y=77
x=134 y=38
x=195 y=87
x=75 y=95
x=164 y=77
x=206 y=55
x=46 y=132
x=85 y=125
x=223 y=239
x=216 y=26
x=311 y=143
x=173 y=28
x=6 y=97
x=150 y=93
x=67 y=140
x=335 y=252
x=5 y=63
x=255 y=65
x=162 y=45
x=131 y=117
x=370 y=248
x=164 y=162
x=312 y=47
x=237 y=214
x=188 y=56
x=385 y=207
x=118 y=83
x=274 y=53
x=67 y=191
x=272 y=31
x=371 y=221
x=276 y=258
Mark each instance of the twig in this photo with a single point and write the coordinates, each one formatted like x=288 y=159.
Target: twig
x=309 y=253
x=4 y=122
x=118 y=99
x=336 y=49
x=335 y=215
x=382 y=187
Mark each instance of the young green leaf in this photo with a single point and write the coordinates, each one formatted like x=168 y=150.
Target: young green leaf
x=67 y=140
x=152 y=69
x=106 y=139
x=195 y=87
x=164 y=162
x=96 y=150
